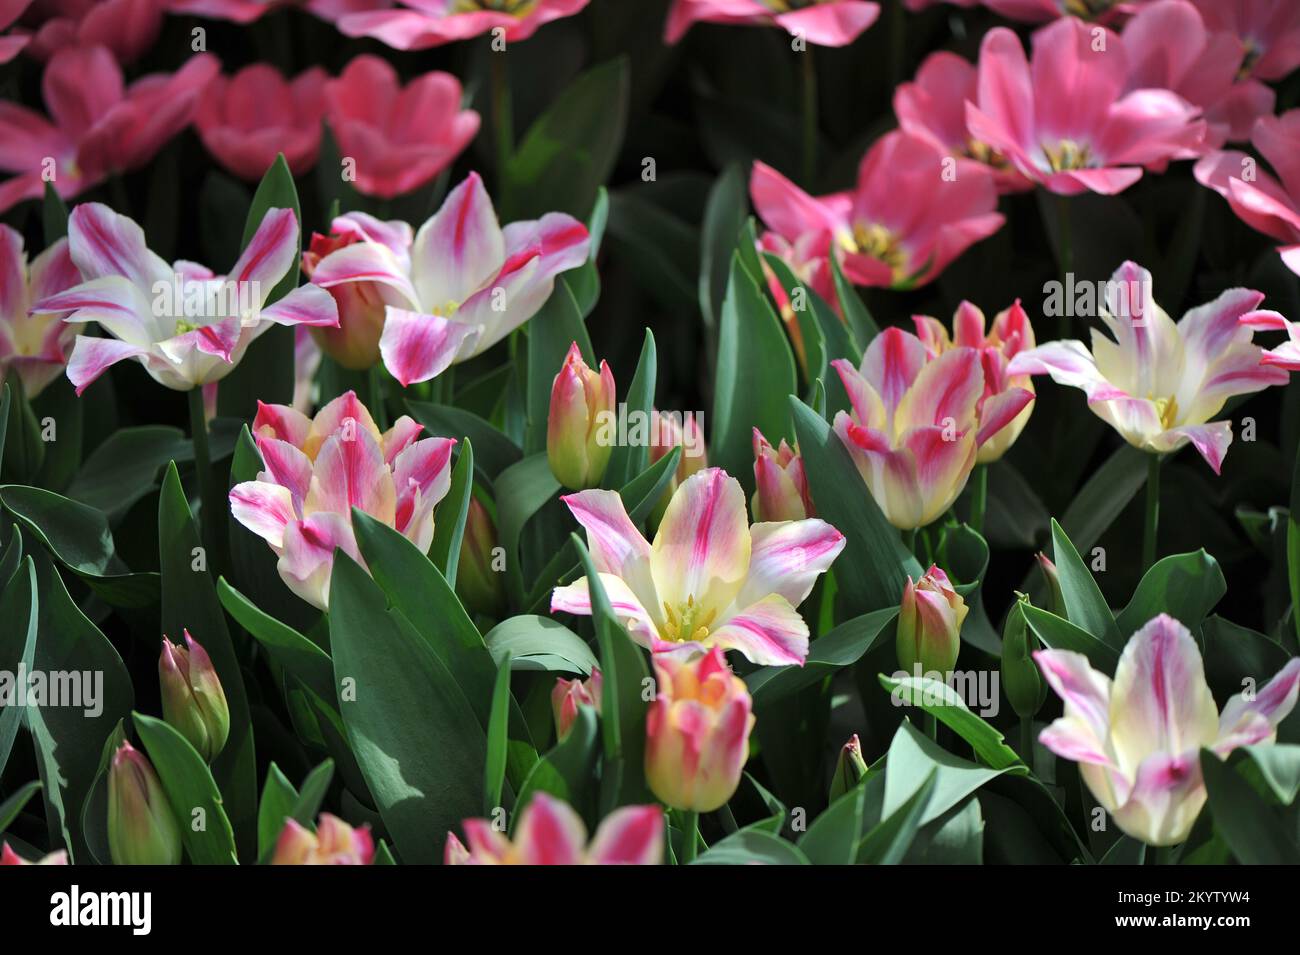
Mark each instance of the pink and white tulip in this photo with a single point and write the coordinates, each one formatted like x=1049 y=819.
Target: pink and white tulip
x=463 y=285
x=186 y=325
x=917 y=423
x=398 y=137
x=1157 y=382
x=421 y=24
x=1137 y=738
x=709 y=580
x=245 y=120
x=568 y=695
x=1269 y=204
x=549 y=832
x=1066 y=120
x=697 y=732
x=913 y=211
x=9 y=857
x=318 y=469
x=1010 y=335
x=578 y=443
x=99 y=127
x=781 y=487
x=333 y=843
x=930 y=615
x=819 y=22
x=33 y=345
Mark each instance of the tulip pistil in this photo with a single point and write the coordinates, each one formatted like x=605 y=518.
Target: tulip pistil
x=688 y=622
x=1068 y=155
x=879 y=242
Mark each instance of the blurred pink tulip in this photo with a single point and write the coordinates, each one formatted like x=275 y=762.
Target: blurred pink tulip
x=549 y=832
x=781 y=486
x=1268 y=30
x=1268 y=204
x=820 y=22
x=333 y=843
x=34 y=345
x=709 y=579
x=101 y=127
x=12 y=44
x=1137 y=738
x=1065 y=120
x=127 y=28
x=914 y=210
x=463 y=285
x=246 y=119
x=397 y=137
x=568 y=695
x=421 y=24
x=9 y=857
x=246 y=11
x=318 y=469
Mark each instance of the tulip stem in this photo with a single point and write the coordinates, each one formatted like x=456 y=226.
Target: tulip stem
x=209 y=502
x=502 y=114
x=691 y=835
x=1065 y=253
x=809 y=117
x=1152 y=522
x=909 y=540
x=1027 y=740
x=979 y=498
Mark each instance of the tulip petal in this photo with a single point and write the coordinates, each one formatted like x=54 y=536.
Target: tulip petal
x=416 y=347
x=308 y=558
x=575 y=598
x=787 y=557
x=270 y=253
x=366 y=262
x=91 y=357
x=632 y=835
x=1086 y=694
x=769 y=633
x=264 y=508
x=308 y=305
x=1000 y=410
x=460 y=248
x=104 y=243
x=550 y=833
x=892 y=362
x=701 y=551
x=1248 y=721
x=617 y=546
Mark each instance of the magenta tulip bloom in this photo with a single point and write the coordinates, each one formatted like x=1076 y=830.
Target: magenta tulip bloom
x=100 y=126
x=127 y=28
x=245 y=120
x=1268 y=30
x=463 y=285
x=1065 y=121
x=1137 y=738
x=1268 y=204
x=709 y=579
x=333 y=843
x=820 y=22
x=12 y=44
x=549 y=832
x=397 y=137
x=33 y=345
x=188 y=326
x=914 y=210
x=421 y=24
x=1159 y=383
x=318 y=469
x=568 y=695
x=246 y=11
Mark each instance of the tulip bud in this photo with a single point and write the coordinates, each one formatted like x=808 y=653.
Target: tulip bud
x=697 y=732
x=850 y=768
x=569 y=694
x=142 y=828
x=929 y=624
x=782 y=486
x=354 y=344
x=479 y=586
x=9 y=857
x=1021 y=680
x=670 y=433
x=333 y=843
x=576 y=444
x=192 y=699
x=1053 y=582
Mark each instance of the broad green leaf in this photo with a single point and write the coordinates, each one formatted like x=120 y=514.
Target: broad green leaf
x=842 y=647
x=1253 y=830
x=832 y=838
x=752 y=847
x=568 y=771
x=1057 y=633
x=1185 y=586
x=946 y=704
x=856 y=314
x=913 y=759
x=94 y=809
x=725 y=213
x=1125 y=851
x=627 y=460
x=278 y=797
x=539 y=643
x=125 y=467
x=493 y=451
x=1084 y=605
x=888 y=842
x=521 y=491
x=11 y=807
x=19 y=608
x=286 y=646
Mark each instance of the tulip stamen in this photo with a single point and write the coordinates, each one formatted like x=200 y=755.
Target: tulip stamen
x=1067 y=155
x=517 y=8
x=1167 y=409
x=879 y=242
x=1088 y=8
x=681 y=623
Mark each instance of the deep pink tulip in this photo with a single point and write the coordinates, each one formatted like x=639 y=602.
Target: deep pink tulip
x=246 y=119
x=1065 y=121
x=100 y=126
x=398 y=137
x=127 y=28
x=914 y=210
x=820 y=22
x=246 y=11
x=1269 y=30
x=11 y=44
x=1266 y=203
x=421 y=24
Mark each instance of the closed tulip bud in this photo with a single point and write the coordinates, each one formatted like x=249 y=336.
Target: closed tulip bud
x=142 y=828
x=697 y=732
x=1057 y=605
x=333 y=843
x=929 y=624
x=1021 y=680
x=192 y=699
x=568 y=695
x=578 y=444
x=676 y=431
x=850 y=768
x=479 y=585
x=782 y=486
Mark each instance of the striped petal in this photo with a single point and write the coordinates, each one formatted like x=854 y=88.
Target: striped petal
x=787 y=557
x=1080 y=735
x=892 y=362
x=417 y=347
x=1247 y=721
x=287 y=466
x=91 y=357
x=307 y=305
x=270 y=253
x=1211 y=441
x=264 y=508
x=616 y=546
x=308 y=558
x=103 y=243
x=550 y=833
x=460 y=248
x=119 y=307
x=366 y=262
x=769 y=633
x=350 y=472
x=701 y=551
x=945 y=392
x=632 y=835
x=575 y=598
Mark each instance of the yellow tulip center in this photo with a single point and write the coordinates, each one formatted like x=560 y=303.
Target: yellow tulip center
x=1067 y=154
x=875 y=240
x=516 y=8
x=1167 y=409
x=986 y=154
x=1088 y=8
x=688 y=621
x=1253 y=51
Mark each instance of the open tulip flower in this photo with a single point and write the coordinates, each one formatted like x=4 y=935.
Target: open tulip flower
x=127 y=28
x=918 y=423
x=1137 y=738
x=1268 y=204
x=318 y=469
x=33 y=345
x=463 y=285
x=549 y=832
x=1065 y=120
x=421 y=24
x=12 y=44
x=100 y=126
x=820 y=22
x=1159 y=383
x=709 y=579
x=186 y=325
x=1268 y=30
x=1010 y=335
